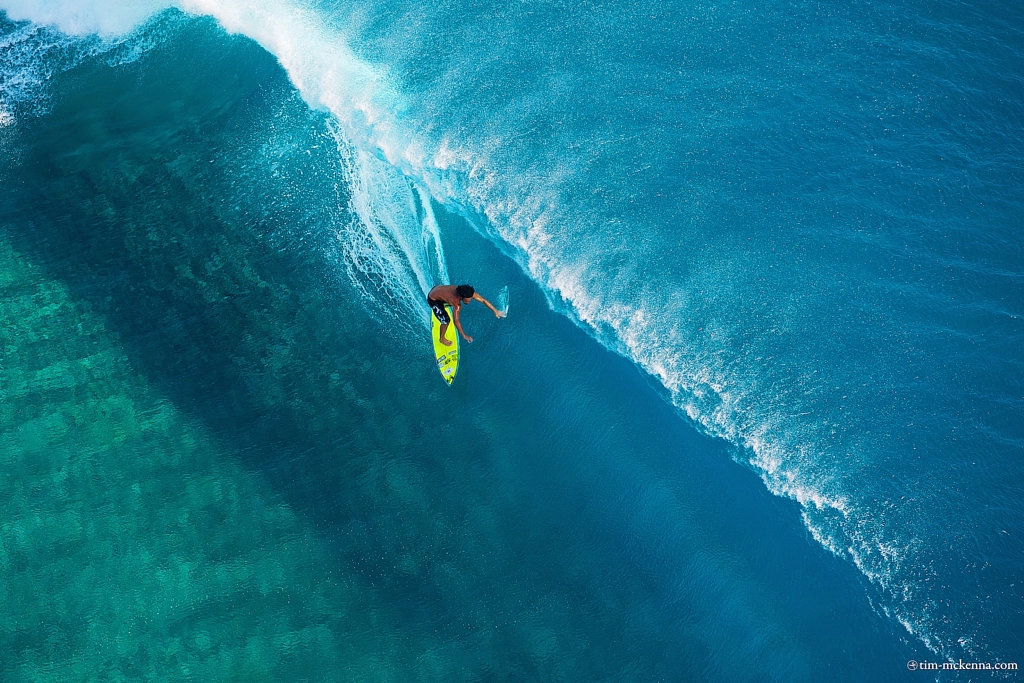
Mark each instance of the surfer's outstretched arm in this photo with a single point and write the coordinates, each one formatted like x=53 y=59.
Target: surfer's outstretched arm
x=458 y=324
x=488 y=304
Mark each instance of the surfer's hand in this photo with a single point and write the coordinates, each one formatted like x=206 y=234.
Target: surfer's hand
x=500 y=314
x=468 y=338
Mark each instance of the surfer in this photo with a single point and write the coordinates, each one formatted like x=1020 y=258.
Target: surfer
x=455 y=296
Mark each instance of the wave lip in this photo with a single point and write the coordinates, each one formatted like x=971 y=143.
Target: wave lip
x=85 y=17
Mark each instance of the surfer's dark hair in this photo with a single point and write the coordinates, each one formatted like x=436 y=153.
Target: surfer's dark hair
x=465 y=291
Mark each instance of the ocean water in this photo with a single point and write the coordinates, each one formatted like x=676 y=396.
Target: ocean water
x=757 y=412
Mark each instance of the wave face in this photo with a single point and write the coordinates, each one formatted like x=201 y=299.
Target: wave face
x=802 y=220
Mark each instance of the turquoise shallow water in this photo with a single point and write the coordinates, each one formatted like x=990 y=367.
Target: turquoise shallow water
x=229 y=456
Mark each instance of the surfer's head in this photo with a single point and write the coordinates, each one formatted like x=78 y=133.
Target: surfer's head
x=465 y=292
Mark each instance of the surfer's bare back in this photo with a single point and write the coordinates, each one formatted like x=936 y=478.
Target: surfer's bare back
x=455 y=296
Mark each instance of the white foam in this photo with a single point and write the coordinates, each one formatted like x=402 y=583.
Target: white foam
x=31 y=56
x=431 y=235
x=84 y=17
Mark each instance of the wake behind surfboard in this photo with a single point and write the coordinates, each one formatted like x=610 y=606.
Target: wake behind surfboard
x=447 y=356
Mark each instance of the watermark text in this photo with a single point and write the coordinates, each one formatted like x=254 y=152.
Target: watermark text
x=960 y=665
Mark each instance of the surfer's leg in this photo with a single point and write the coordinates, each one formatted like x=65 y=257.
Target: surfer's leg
x=441 y=314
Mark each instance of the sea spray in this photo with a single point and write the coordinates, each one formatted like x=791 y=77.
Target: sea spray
x=501 y=302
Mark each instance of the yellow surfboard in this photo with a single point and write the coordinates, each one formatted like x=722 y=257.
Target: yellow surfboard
x=447 y=356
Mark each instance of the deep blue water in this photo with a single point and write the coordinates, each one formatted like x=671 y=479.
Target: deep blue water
x=757 y=411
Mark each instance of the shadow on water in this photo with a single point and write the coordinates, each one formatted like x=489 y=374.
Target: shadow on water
x=188 y=199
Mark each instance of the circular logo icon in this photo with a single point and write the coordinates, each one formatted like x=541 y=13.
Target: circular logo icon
x=912 y=665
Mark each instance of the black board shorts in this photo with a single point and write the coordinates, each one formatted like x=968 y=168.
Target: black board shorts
x=438 y=307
